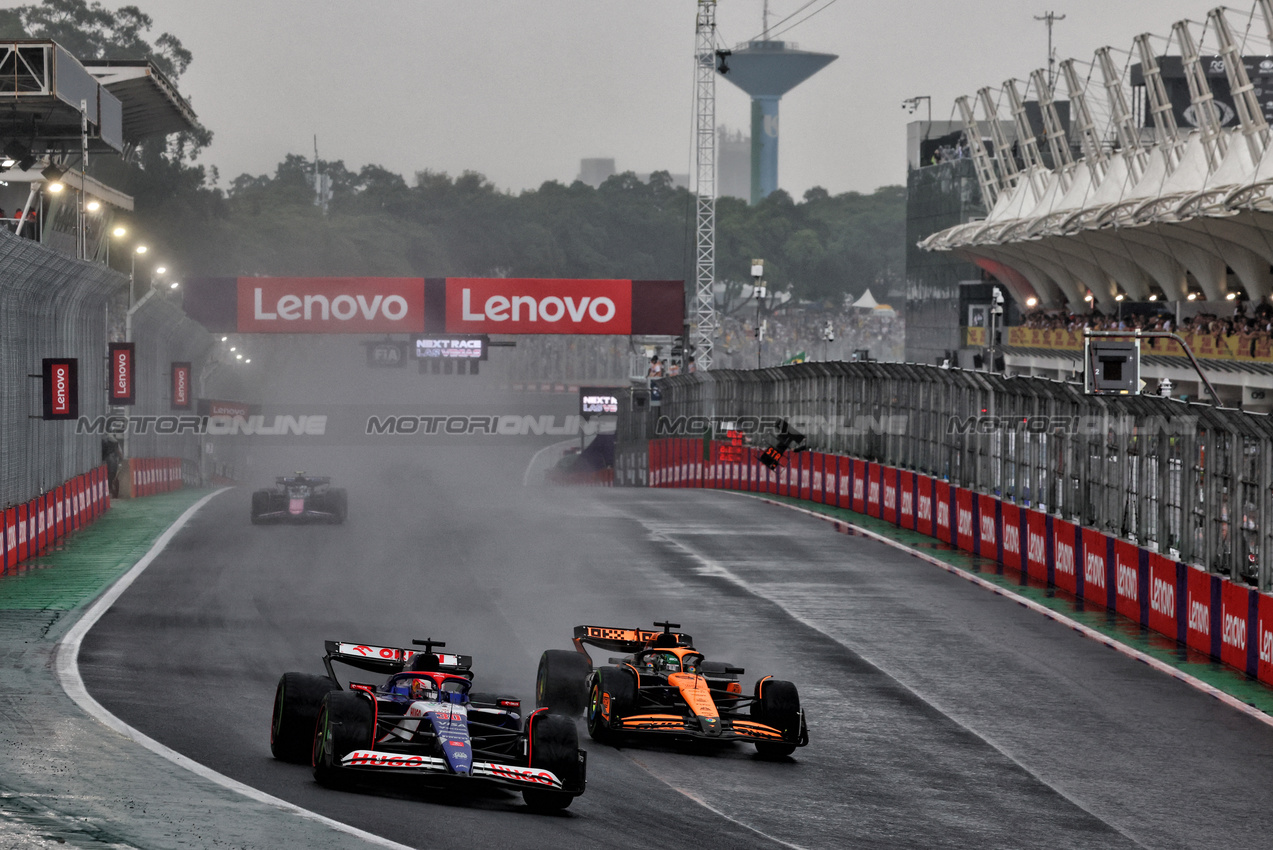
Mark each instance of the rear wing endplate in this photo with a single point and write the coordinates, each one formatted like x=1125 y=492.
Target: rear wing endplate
x=622 y=640
x=387 y=659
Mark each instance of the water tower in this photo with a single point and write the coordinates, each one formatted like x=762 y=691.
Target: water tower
x=767 y=70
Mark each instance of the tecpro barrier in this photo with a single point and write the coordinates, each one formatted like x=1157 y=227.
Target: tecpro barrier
x=1230 y=622
x=34 y=526
x=151 y=475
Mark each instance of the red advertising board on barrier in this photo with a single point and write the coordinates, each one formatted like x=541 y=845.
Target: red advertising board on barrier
x=1264 y=639
x=1164 y=595
x=859 y=486
x=873 y=490
x=1198 y=604
x=1095 y=551
x=1235 y=623
x=817 y=488
x=888 y=506
x=59 y=512
x=1010 y=538
x=924 y=505
x=1127 y=581
x=906 y=499
x=1064 y=555
x=943 y=527
x=988 y=527
x=10 y=538
x=23 y=525
x=805 y=470
x=964 y=536
x=844 y=483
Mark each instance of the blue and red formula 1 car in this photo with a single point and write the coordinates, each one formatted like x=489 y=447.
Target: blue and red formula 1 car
x=665 y=687
x=423 y=721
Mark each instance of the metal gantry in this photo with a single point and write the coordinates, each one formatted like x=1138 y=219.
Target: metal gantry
x=703 y=313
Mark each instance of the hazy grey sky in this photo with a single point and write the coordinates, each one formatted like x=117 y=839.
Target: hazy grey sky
x=521 y=91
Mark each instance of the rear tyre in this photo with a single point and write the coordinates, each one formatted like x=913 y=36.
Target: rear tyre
x=554 y=746
x=778 y=706
x=296 y=702
x=560 y=681
x=345 y=723
x=613 y=695
x=260 y=504
x=339 y=503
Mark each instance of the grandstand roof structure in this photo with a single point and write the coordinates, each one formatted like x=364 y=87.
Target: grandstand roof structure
x=1160 y=183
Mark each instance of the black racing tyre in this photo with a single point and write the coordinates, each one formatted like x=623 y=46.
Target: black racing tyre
x=560 y=681
x=260 y=505
x=616 y=688
x=346 y=723
x=296 y=702
x=778 y=706
x=339 y=504
x=553 y=745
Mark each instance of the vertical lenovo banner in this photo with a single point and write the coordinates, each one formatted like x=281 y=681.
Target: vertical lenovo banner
x=1064 y=549
x=941 y=512
x=873 y=490
x=1095 y=551
x=844 y=483
x=817 y=461
x=1127 y=586
x=1264 y=639
x=859 y=486
x=924 y=505
x=1237 y=610
x=61 y=388
x=123 y=388
x=963 y=519
x=888 y=509
x=1198 y=604
x=906 y=497
x=180 y=386
x=1164 y=590
x=988 y=526
x=1010 y=534
x=1036 y=544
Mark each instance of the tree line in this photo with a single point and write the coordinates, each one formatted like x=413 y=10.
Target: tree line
x=820 y=248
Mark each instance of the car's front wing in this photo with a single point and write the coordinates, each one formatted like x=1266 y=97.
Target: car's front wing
x=504 y=774
x=307 y=515
x=683 y=725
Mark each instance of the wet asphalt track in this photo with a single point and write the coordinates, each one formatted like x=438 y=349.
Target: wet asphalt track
x=940 y=715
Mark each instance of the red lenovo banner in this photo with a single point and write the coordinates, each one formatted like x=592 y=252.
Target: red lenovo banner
x=1036 y=544
x=23 y=525
x=1198 y=604
x=1010 y=534
x=859 y=486
x=331 y=305
x=1064 y=542
x=924 y=505
x=1127 y=586
x=888 y=508
x=1264 y=639
x=943 y=531
x=181 y=386
x=531 y=306
x=906 y=496
x=804 y=475
x=873 y=489
x=61 y=388
x=10 y=538
x=988 y=539
x=1164 y=590
x=42 y=524
x=122 y=383
x=963 y=519
x=1095 y=552
x=1236 y=621
x=818 y=489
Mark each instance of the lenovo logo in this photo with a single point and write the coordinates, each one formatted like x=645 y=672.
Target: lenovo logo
x=330 y=305
x=1232 y=629
x=61 y=389
x=1162 y=596
x=1094 y=569
x=1266 y=644
x=943 y=514
x=1125 y=581
x=965 y=522
x=522 y=305
x=908 y=503
x=890 y=495
x=873 y=493
x=1036 y=548
x=1199 y=617
x=988 y=529
x=925 y=507
x=1064 y=558
x=857 y=488
x=1012 y=539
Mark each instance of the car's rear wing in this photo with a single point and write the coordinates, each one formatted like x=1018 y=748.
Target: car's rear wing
x=303 y=479
x=387 y=659
x=623 y=640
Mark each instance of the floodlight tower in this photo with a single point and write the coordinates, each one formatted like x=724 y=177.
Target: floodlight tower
x=703 y=314
x=767 y=70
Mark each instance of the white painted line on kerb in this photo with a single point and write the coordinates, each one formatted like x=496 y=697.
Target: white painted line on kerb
x=68 y=671
x=531 y=466
x=1085 y=631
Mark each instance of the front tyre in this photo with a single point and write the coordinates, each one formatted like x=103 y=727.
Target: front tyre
x=346 y=723
x=260 y=505
x=612 y=696
x=560 y=682
x=296 y=703
x=554 y=746
x=339 y=503
x=777 y=705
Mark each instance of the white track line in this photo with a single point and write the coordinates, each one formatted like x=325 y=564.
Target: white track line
x=1086 y=631
x=530 y=466
x=68 y=671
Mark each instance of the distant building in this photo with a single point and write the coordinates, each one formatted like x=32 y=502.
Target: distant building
x=733 y=163
x=596 y=170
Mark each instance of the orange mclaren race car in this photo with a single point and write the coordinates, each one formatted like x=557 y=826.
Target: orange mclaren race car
x=666 y=687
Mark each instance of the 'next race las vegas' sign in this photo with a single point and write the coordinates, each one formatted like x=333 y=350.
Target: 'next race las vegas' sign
x=325 y=305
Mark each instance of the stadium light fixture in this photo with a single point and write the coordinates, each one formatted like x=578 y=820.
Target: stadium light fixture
x=174 y=284
x=224 y=338
x=234 y=348
x=1088 y=298
x=1153 y=297
x=1192 y=296
x=119 y=231
x=55 y=187
x=238 y=357
x=1118 y=297
x=1031 y=301
x=1231 y=296
x=249 y=360
x=161 y=270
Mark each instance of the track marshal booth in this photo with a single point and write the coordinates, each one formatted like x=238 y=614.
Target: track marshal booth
x=456 y=305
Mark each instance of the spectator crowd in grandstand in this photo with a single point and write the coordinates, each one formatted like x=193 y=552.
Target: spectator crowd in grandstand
x=1248 y=325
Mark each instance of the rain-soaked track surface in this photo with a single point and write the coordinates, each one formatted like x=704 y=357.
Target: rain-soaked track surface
x=940 y=715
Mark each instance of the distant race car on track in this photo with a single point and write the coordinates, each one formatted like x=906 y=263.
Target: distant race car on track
x=423 y=721
x=665 y=687
x=300 y=498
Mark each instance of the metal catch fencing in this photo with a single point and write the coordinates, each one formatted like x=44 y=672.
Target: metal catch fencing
x=51 y=305
x=1188 y=480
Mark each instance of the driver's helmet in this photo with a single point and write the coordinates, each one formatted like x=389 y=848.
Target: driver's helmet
x=422 y=688
x=665 y=662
